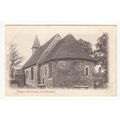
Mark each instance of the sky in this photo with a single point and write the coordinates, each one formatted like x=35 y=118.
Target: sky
x=24 y=36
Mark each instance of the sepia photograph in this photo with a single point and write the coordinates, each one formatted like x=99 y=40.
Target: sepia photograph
x=60 y=60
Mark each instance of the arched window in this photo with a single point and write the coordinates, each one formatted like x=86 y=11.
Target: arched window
x=41 y=73
x=45 y=71
x=26 y=74
x=32 y=73
x=43 y=81
x=50 y=70
x=86 y=71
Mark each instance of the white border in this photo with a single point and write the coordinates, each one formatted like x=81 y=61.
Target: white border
x=59 y=12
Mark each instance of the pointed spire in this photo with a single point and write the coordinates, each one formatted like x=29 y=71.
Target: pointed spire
x=36 y=43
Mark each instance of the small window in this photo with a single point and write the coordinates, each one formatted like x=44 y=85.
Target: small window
x=45 y=71
x=43 y=81
x=26 y=74
x=50 y=70
x=87 y=71
x=32 y=74
x=41 y=74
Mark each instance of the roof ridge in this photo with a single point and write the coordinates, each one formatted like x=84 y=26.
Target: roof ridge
x=69 y=36
x=56 y=38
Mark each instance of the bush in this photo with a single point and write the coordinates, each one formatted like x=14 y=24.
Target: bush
x=99 y=82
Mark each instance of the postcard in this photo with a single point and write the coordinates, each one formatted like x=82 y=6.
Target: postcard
x=60 y=60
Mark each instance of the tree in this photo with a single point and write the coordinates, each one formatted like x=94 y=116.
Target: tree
x=87 y=46
x=14 y=58
x=101 y=52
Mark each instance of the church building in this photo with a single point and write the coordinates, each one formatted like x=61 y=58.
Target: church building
x=59 y=63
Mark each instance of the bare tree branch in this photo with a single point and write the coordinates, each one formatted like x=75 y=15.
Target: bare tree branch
x=14 y=58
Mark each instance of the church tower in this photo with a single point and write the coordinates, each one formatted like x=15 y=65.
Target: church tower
x=36 y=45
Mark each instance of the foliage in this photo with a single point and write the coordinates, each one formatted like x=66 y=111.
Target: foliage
x=101 y=53
x=87 y=46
